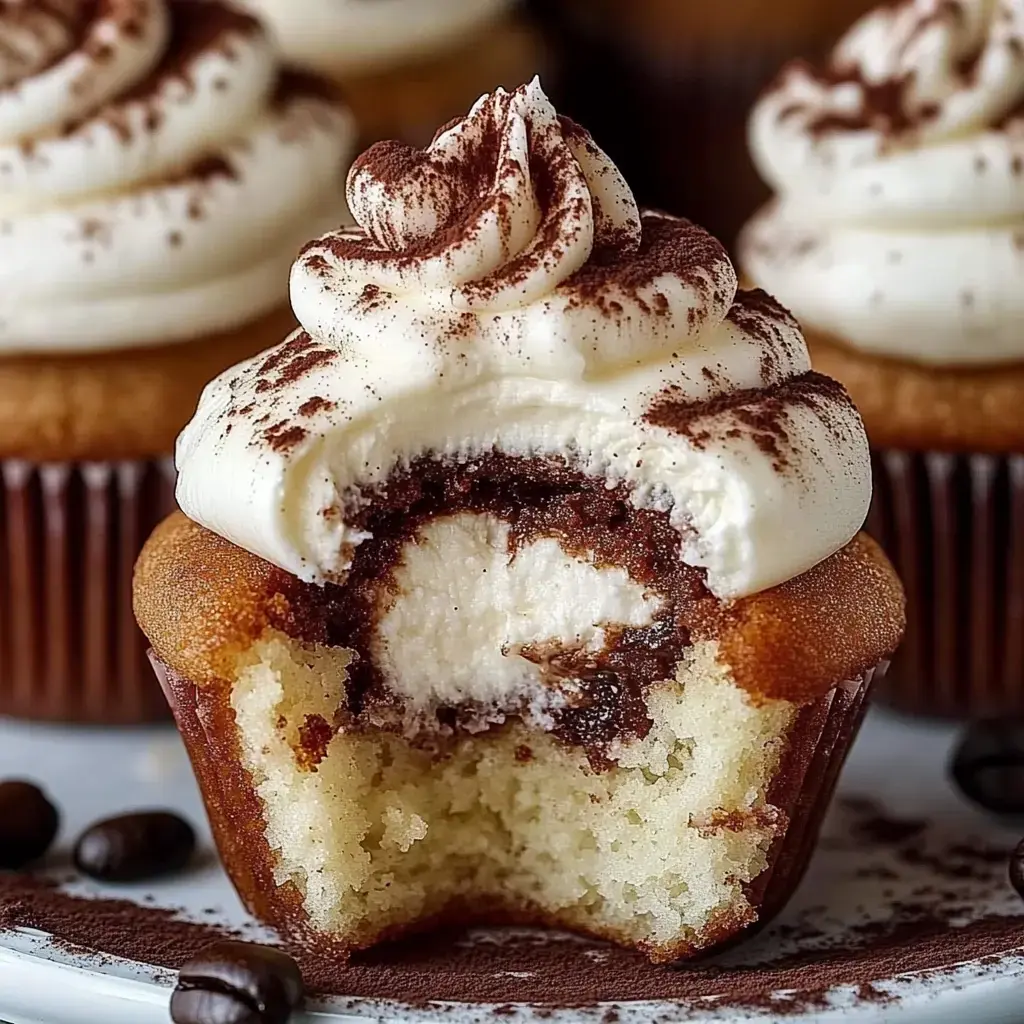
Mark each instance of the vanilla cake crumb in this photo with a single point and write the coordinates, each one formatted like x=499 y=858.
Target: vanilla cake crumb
x=654 y=850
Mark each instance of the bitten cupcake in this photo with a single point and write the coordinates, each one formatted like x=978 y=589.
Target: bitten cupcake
x=667 y=85
x=524 y=581
x=406 y=66
x=897 y=238
x=157 y=177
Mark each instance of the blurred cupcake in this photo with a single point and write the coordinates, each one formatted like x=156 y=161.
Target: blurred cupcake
x=406 y=66
x=157 y=176
x=897 y=237
x=667 y=86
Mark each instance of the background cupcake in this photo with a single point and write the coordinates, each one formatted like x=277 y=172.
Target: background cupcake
x=157 y=176
x=666 y=87
x=897 y=238
x=406 y=66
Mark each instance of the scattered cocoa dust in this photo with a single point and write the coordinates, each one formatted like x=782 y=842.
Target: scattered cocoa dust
x=556 y=971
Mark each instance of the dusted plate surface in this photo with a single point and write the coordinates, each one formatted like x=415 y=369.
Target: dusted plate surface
x=905 y=915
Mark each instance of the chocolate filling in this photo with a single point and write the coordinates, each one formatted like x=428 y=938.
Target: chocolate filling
x=538 y=498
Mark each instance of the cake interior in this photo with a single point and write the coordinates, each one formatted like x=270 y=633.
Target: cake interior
x=377 y=831
x=513 y=721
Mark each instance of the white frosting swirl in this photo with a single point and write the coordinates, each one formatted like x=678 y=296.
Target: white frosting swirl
x=154 y=185
x=344 y=37
x=899 y=223
x=504 y=293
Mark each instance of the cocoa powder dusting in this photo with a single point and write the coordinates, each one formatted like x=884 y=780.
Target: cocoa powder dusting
x=924 y=873
x=886 y=106
x=284 y=436
x=759 y=315
x=669 y=247
x=290 y=362
x=314 y=405
x=759 y=413
x=115 y=927
x=197 y=27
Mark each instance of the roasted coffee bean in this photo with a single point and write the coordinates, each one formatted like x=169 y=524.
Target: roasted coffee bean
x=135 y=847
x=988 y=765
x=237 y=983
x=28 y=823
x=1017 y=869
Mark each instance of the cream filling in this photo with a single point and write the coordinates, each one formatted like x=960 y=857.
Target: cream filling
x=464 y=608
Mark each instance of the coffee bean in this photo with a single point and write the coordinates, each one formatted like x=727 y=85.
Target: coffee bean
x=28 y=823
x=237 y=983
x=1017 y=869
x=988 y=765
x=135 y=847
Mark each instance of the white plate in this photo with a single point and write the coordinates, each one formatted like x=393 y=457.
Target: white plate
x=874 y=871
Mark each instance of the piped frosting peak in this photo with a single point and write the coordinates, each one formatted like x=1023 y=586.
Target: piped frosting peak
x=515 y=227
x=503 y=293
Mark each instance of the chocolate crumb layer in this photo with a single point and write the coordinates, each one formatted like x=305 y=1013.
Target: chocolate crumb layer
x=538 y=498
x=201 y=600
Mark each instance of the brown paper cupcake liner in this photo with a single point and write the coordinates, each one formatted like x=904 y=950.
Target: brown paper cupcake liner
x=819 y=742
x=69 y=534
x=953 y=525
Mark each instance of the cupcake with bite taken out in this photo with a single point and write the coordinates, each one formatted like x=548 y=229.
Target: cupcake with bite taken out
x=406 y=66
x=157 y=176
x=523 y=582
x=897 y=238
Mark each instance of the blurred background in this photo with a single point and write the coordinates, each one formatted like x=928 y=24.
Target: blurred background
x=666 y=87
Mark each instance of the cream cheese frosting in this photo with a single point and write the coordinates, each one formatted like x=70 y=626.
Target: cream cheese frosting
x=157 y=175
x=343 y=37
x=898 y=225
x=503 y=293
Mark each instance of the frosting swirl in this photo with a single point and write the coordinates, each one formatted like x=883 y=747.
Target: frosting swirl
x=499 y=219
x=502 y=292
x=155 y=176
x=351 y=36
x=899 y=223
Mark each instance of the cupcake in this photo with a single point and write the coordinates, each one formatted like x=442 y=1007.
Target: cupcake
x=666 y=87
x=897 y=238
x=157 y=177
x=523 y=582
x=406 y=66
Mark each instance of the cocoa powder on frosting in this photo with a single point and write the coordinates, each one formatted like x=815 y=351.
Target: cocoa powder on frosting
x=887 y=105
x=669 y=247
x=292 y=361
x=458 y=188
x=762 y=414
x=197 y=28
